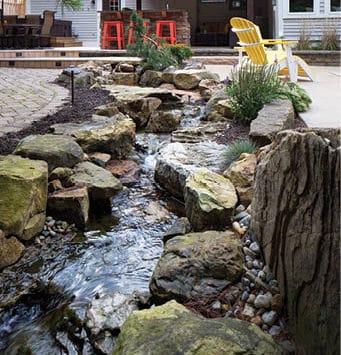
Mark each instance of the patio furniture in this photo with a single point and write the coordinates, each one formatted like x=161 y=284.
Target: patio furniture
x=6 y=40
x=113 y=31
x=33 y=19
x=42 y=37
x=251 y=41
x=166 y=30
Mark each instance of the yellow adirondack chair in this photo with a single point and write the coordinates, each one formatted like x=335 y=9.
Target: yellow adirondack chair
x=250 y=41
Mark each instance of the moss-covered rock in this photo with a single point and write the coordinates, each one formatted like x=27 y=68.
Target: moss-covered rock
x=172 y=329
x=210 y=200
x=23 y=186
x=197 y=265
x=54 y=149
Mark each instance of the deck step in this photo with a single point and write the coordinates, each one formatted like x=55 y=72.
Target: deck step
x=65 y=42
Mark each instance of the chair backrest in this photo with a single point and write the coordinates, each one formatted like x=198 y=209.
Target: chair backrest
x=48 y=22
x=33 y=19
x=11 y=19
x=250 y=39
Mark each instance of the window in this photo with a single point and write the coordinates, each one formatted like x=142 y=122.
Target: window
x=335 y=5
x=114 y=5
x=301 y=5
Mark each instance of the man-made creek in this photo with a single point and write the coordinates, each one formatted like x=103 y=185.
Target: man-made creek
x=116 y=253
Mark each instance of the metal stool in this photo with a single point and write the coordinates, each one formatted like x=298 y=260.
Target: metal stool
x=131 y=37
x=168 y=26
x=113 y=31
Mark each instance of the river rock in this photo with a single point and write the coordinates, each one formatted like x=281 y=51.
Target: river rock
x=104 y=317
x=207 y=87
x=176 y=161
x=10 y=250
x=188 y=79
x=23 y=186
x=263 y=301
x=71 y=205
x=210 y=200
x=224 y=107
x=101 y=183
x=124 y=78
x=296 y=217
x=272 y=118
x=241 y=174
x=127 y=171
x=173 y=329
x=163 y=121
x=100 y=159
x=217 y=96
x=60 y=173
x=180 y=227
x=197 y=265
x=56 y=150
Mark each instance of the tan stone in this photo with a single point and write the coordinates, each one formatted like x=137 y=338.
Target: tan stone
x=10 y=250
x=127 y=171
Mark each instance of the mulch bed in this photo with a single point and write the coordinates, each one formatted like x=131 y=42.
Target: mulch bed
x=85 y=102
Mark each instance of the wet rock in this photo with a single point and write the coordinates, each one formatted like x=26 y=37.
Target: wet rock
x=269 y=318
x=10 y=250
x=71 y=205
x=272 y=118
x=143 y=330
x=180 y=227
x=54 y=149
x=100 y=159
x=105 y=316
x=248 y=311
x=163 y=121
x=101 y=183
x=179 y=272
x=263 y=301
x=176 y=161
x=23 y=186
x=275 y=330
x=309 y=178
x=207 y=87
x=156 y=213
x=210 y=200
x=127 y=171
x=241 y=173
x=216 y=97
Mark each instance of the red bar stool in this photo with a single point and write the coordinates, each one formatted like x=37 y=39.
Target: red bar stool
x=113 y=31
x=166 y=29
x=131 y=38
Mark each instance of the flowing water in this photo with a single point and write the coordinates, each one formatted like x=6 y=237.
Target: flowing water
x=117 y=253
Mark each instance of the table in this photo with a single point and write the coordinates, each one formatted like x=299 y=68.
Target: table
x=21 y=31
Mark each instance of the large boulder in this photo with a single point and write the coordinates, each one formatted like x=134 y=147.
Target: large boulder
x=105 y=316
x=188 y=79
x=176 y=161
x=272 y=118
x=197 y=265
x=151 y=78
x=113 y=135
x=23 y=186
x=10 y=250
x=210 y=200
x=101 y=184
x=173 y=329
x=296 y=217
x=241 y=174
x=71 y=205
x=54 y=149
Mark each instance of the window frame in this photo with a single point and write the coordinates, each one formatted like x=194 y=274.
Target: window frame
x=329 y=12
x=314 y=13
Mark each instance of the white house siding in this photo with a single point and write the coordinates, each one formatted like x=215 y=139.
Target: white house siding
x=84 y=22
x=315 y=24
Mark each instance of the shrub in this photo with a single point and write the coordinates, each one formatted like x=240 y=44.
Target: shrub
x=304 y=41
x=329 y=40
x=251 y=87
x=180 y=51
x=234 y=150
x=298 y=96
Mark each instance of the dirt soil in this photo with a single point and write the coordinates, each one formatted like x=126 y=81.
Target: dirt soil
x=85 y=102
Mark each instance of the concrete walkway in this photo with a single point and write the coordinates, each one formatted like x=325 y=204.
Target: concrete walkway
x=325 y=92
x=27 y=95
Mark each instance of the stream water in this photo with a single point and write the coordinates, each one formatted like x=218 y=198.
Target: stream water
x=117 y=253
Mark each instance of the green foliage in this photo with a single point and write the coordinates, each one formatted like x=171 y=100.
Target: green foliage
x=234 y=150
x=329 y=41
x=251 y=87
x=298 y=96
x=155 y=55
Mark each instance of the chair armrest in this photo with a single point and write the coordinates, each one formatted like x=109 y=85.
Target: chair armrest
x=278 y=41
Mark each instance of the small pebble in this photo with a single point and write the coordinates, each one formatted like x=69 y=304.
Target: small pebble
x=248 y=311
x=275 y=330
x=276 y=303
x=255 y=247
x=257 y=320
x=236 y=312
x=229 y=314
x=245 y=281
x=240 y=208
x=249 y=265
x=245 y=296
x=263 y=301
x=248 y=210
x=45 y=233
x=216 y=305
x=262 y=275
x=256 y=264
x=252 y=285
x=254 y=271
x=248 y=258
x=265 y=327
x=251 y=299
x=241 y=215
x=269 y=318
x=53 y=233
x=247 y=242
x=249 y=252
x=240 y=230
x=246 y=221
x=273 y=283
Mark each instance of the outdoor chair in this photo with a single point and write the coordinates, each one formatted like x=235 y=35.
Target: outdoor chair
x=33 y=19
x=43 y=37
x=9 y=39
x=250 y=41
